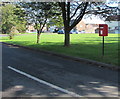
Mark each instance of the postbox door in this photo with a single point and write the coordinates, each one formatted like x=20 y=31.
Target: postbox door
x=103 y=30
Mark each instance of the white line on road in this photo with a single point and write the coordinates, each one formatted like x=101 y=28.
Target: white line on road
x=44 y=82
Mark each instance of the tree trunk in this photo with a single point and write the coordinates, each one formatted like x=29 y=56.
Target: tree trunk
x=67 y=38
x=11 y=37
x=39 y=31
x=66 y=20
x=38 y=36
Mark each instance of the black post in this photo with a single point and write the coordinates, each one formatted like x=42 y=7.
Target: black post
x=103 y=47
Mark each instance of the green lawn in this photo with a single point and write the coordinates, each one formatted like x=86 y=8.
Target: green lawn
x=87 y=46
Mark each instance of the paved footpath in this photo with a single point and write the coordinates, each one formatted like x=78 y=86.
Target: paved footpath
x=30 y=73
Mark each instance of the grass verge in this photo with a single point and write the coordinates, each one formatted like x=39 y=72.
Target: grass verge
x=87 y=46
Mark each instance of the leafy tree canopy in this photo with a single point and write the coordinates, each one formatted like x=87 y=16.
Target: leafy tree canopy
x=11 y=18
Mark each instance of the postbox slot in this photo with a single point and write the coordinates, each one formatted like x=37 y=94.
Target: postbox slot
x=101 y=32
x=101 y=27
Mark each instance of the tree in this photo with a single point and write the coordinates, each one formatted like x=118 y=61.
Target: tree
x=7 y=18
x=11 y=20
x=68 y=17
x=38 y=14
x=73 y=12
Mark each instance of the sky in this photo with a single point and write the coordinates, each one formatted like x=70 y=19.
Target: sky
x=113 y=3
x=93 y=19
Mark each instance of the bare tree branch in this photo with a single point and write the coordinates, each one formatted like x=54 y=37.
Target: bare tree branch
x=80 y=16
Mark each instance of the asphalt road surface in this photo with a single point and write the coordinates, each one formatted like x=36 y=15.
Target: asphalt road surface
x=29 y=73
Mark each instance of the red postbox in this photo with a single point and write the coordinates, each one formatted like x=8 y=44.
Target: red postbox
x=103 y=30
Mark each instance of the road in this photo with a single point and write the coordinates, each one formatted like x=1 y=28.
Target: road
x=30 y=73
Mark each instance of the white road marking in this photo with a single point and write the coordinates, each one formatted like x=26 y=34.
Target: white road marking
x=44 y=82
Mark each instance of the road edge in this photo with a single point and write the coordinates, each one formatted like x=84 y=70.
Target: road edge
x=83 y=60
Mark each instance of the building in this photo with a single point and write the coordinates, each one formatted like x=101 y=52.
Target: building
x=30 y=29
x=91 y=24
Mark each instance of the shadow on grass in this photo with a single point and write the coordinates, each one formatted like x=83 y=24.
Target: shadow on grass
x=101 y=40
x=106 y=39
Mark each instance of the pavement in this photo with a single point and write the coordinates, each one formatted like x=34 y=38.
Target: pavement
x=3 y=35
x=36 y=74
